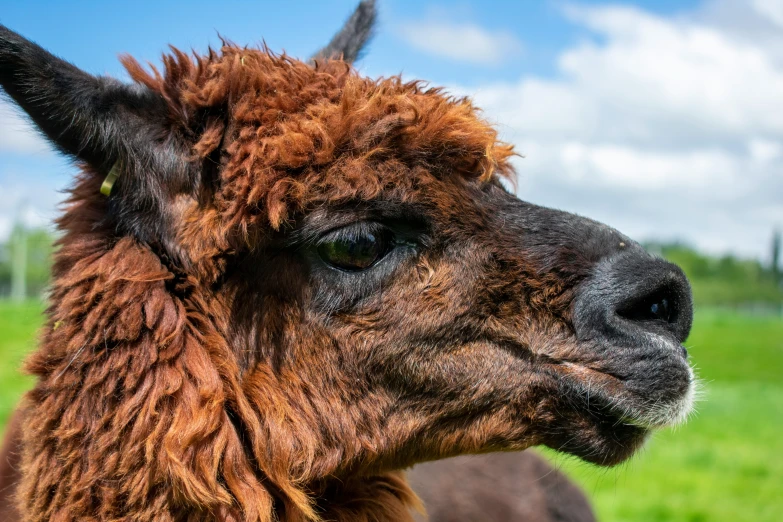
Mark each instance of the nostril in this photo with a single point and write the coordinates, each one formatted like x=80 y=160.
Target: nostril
x=660 y=310
x=631 y=295
x=660 y=306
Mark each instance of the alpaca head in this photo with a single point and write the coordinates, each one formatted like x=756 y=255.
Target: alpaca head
x=355 y=288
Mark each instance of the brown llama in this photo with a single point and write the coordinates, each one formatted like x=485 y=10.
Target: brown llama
x=279 y=283
x=518 y=486
x=497 y=487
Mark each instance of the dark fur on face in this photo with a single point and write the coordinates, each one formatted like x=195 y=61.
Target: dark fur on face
x=202 y=358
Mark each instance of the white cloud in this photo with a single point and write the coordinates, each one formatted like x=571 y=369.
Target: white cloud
x=663 y=127
x=17 y=135
x=461 y=42
x=770 y=8
x=634 y=169
x=764 y=151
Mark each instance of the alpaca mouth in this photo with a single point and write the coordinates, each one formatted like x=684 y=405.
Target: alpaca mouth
x=613 y=411
x=614 y=395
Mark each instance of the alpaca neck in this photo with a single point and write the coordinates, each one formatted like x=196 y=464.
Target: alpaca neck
x=135 y=411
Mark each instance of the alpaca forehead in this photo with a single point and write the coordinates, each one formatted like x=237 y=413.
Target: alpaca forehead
x=288 y=134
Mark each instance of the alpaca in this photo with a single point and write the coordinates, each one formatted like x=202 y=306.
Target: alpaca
x=535 y=492
x=497 y=487
x=280 y=283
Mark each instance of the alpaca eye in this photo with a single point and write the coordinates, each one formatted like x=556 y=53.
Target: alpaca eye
x=355 y=251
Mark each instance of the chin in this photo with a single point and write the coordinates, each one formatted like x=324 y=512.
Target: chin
x=611 y=416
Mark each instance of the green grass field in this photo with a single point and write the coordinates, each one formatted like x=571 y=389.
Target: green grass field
x=19 y=325
x=726 y=464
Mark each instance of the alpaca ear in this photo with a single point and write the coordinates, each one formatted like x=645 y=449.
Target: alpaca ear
x=349 y=42
x=102 y=122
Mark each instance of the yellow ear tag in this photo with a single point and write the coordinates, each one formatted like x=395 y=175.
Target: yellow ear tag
x=108 y=183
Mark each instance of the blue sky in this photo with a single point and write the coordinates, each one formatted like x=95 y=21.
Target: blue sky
x=93 y=33
x=645 y=114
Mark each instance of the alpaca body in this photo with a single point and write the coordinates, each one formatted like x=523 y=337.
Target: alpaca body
x=498 y=487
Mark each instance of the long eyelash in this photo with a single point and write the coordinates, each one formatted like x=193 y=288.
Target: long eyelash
x=353 y=232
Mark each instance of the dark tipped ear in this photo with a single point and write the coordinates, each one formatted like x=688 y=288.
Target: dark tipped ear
x=348 y=44
x=92 y=118
x=102 y=122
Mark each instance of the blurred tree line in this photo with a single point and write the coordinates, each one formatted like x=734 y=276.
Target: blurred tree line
x=716 y=281
x=25 y=263
x=728 y=280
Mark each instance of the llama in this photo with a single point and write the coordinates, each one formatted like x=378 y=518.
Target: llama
x=280 y=283
x=534 y=492
x=497 y=487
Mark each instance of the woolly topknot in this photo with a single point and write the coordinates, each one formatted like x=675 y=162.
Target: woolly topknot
x=287 y=134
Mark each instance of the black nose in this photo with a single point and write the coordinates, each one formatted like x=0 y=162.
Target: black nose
x=633 y=295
